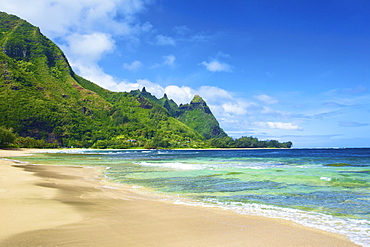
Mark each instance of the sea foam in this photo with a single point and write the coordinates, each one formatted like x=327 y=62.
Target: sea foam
x=357 y=231
x=325 y=179
x=174 y=165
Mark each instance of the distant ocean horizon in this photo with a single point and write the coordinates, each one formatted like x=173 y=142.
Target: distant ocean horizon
x=323 y=188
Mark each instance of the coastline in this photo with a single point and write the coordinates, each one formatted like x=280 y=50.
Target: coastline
x=76 y=206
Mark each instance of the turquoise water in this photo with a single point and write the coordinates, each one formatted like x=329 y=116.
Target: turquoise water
x=327 y=189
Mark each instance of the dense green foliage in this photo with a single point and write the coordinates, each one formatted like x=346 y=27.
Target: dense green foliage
x=41 y=98
x=46 y=104
x=247 y=142
x=7 y=137
x=196 y=115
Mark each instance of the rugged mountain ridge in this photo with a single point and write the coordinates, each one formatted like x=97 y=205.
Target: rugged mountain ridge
x=43 y=99
x=46 y=104
x=196 y=115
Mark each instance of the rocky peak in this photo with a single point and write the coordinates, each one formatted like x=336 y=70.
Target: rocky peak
x=197 y=99
x=199 y=103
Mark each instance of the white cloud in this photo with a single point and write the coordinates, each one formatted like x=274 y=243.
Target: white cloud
x=279 y=125
x=84 y=52
x=234 y=108
x=165 y=40
x=125 y=86
x=169 y=60
x=62 y=17
x=212 y=93
x=89 y=47
x=180 y=94
x=151 y=87
x=134 y=66
x=266 y=99
x=216 y=66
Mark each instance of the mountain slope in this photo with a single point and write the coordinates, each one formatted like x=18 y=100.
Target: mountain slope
x=39 y=97
x=197 y=115
x=47 y=105
x=42 y=98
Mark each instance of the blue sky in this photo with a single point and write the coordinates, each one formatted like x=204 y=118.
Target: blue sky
x=290 y=70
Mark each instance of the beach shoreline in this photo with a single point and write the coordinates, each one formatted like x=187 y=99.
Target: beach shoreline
x=75 y=206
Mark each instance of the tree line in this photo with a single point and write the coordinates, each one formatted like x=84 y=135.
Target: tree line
x=10 y=139
x=247 y=142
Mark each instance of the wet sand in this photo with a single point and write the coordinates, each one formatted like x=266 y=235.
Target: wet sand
x=75 y=206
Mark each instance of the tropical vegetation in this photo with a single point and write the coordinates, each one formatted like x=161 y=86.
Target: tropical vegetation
x=43 y=103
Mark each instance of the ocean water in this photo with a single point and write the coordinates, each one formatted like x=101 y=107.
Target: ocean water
x=328 y=189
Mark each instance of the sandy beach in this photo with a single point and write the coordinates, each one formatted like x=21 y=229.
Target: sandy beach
x=75 y=206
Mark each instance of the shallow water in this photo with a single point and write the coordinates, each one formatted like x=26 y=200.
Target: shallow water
x=327 y=189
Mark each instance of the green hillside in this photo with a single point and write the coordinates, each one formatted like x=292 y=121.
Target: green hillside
x=43 y=103
x=42 y=98
x=196 y=115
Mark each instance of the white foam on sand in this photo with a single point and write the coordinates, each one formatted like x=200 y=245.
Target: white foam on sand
x=358 y=231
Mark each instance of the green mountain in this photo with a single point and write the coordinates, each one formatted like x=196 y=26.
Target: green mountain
x=196 y=115
x=42 y=98
x=43 y=103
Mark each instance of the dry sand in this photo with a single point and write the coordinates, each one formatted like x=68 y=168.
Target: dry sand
x=74 y=206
